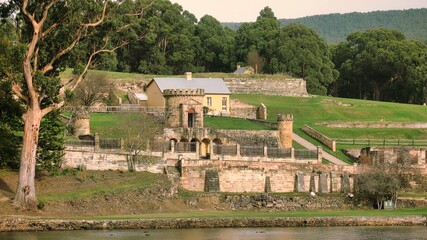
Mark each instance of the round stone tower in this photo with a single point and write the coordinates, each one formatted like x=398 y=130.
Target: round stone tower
x=80 y=122
x=284 y=126
x=184 y=107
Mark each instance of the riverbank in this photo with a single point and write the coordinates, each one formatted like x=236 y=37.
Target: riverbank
x=24 y=224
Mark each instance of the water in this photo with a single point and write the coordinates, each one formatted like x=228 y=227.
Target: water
x=330 y=233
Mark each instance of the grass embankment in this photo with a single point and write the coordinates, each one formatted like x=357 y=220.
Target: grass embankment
x=252 y=214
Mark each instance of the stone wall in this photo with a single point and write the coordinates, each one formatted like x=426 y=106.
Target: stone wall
x=320 y=137
x=91 y=159
x=280 y=87
x=378 y=124
x=239 y=109
x=252 y=137
x=411 y=155
x=9 y=224
x=266 y=176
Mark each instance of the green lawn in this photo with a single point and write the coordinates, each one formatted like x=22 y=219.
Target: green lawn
x=319 y=108
x=262 y=214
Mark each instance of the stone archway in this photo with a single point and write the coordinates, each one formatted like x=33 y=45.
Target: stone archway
x=194 y=145
x=206 y=148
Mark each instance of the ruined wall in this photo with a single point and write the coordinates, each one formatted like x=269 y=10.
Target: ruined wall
x=263 y=176
x=322 y=138
x=252 y=137
x=280 y=87
x=91 y=159
x=239 y=109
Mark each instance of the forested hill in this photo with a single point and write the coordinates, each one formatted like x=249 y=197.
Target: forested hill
x=335 y=28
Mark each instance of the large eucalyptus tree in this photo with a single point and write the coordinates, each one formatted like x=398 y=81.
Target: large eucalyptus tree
x=56 y=33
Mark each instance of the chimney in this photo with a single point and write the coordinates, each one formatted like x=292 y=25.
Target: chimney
x=188 y=75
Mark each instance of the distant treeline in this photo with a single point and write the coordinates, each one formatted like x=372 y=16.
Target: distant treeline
x=335 y=28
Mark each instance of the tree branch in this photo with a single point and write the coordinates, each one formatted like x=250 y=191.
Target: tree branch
x=52 y=107
x=100 y=20
x=16 y=89
x=49 y=66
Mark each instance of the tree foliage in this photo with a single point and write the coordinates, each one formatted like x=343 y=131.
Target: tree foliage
x=381 y=64
x=302 y=53
x=377 y=185
x=94 y=89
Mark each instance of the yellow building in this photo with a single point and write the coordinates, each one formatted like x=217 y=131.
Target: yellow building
x=216 y=99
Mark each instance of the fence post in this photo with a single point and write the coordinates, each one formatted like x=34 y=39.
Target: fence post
x=334 y=146
x=96 y=141
x=122 y=143
x=238 y=150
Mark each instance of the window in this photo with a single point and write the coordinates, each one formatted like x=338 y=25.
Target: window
x=209 y=101
x=224 y=104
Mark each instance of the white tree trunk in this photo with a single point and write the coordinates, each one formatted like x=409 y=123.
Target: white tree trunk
x=26 y=193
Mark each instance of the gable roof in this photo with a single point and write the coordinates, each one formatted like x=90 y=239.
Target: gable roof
x=210 y=85
x=242 y=70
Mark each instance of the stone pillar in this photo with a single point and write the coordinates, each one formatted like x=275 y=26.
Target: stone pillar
x=262 y=112
x=299 y=182
x=312 y=184
x=172 y=143
x=345 y=183
x=293 y=153
x=265 y=151
x=319 y=154
x=96 y=141
x=122 y=144
x=267 y=187
x=238 y=150
x=323 y=183
x=334 y=182
x=284 y=126
x=197 y=149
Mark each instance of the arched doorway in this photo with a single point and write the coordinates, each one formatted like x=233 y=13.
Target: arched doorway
x=217 y=146
x=191 y=117
x=172 y=144
x=206 y=148
x=193 y=144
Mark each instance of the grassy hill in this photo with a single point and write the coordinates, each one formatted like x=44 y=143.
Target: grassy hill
x=320 y=108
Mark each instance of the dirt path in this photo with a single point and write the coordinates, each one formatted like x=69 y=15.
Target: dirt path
x=311 y=146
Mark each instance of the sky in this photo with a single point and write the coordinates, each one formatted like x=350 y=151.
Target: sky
x=248 y=10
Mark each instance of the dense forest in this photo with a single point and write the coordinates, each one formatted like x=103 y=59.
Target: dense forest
x=335 y=28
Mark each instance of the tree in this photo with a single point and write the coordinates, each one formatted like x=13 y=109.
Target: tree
x=139 y=133
x=216 y=46
x=382 y=65
x=88 y=25
x=10 y=110
x=95 y=89
x=258 y=37
x=378 y=185
x=51 y=143
x=302 y=53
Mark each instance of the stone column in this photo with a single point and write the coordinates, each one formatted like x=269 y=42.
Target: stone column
x=319 y=155
x=284 y=126
x=299 y=182
x=323 y=183
x=96 y=141
x=293 y=153
x=334 y=182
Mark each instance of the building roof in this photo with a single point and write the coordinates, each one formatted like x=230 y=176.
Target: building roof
x=141 y=96
x=210 y=85
x=242 y=70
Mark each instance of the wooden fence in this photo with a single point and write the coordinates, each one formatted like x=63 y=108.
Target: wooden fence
x=381 y=142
